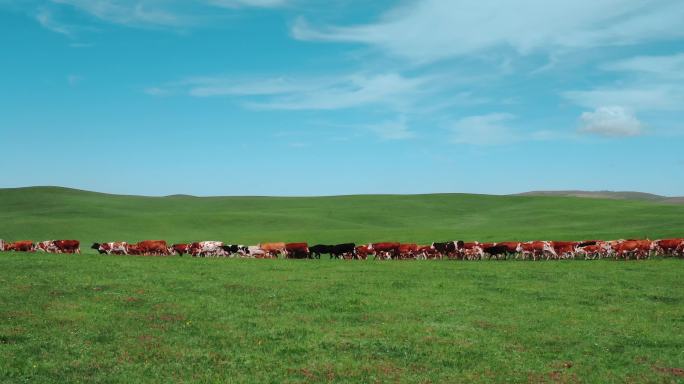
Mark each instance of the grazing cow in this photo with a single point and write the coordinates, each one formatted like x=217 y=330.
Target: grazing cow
x=206 y=248
x=638 y=248
x=231 y=249
x=273 y=249
x=568 y=249
x=407 y=251
x=59 y=246
x=153 y=247
x=536 y=249
x=20 y=246
x=115 y=248
x=179 y=249
x=385 y=250
x=297 y=251
x=320 y=249
x=674 y=247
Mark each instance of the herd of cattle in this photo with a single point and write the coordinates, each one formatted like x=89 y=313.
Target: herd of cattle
x=459 y=250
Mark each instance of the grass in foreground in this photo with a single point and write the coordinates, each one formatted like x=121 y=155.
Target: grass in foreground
x=131 y=319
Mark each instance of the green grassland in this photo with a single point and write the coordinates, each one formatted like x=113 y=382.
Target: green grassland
x=58 y=213
x=87 y=318
x=128 y=319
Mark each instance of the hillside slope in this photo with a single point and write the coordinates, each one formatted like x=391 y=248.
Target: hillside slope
x=48 y=212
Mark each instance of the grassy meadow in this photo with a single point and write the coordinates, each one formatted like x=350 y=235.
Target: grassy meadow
x=127 y=319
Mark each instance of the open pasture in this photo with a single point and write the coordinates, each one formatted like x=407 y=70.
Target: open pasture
x=149 y=319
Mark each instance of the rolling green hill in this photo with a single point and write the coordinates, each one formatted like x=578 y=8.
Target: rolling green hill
x=40 y=213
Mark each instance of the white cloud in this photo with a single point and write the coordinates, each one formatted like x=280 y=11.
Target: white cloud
x=46 y=19
x=323 y=93
x=430 y=30
x=613 y=121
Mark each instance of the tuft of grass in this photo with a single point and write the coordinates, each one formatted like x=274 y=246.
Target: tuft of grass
x=67 y=318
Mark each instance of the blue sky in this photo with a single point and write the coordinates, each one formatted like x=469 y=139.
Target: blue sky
x=304 y=97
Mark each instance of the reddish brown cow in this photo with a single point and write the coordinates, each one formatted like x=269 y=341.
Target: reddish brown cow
x=407 y=251
x=385 y=250
x=599 y=249
x=536 y=249
x=362 y=252
x=670 y=247
x=152 y=247
x=68 y=246
x=297 y=250
x=472 y=251
x=20 y=246
x=564 y=249
x=179 y=249
x=626 y=248
x=426 y=252
x=133 y=249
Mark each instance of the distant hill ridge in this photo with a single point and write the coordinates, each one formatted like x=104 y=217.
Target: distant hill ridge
x=618 y=195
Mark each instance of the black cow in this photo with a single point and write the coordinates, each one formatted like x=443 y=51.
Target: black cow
x=339 y=250
x=496 y=250
x=319 y=249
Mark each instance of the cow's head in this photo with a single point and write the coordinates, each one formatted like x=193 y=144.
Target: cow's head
x=95 y=246
x=519 y=248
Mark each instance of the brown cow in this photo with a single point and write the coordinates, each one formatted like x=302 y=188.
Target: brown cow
x=407 y=251
x=273 y=249
x=20 y=246
x=152 y=247
x=673 y=247
x=59 y=246
x=362 y=252
x=599 y=249
x=511 y=247
x=179 y=249
x=638 y=248
x=385 y=250
x=472 y=251
x=297 y=251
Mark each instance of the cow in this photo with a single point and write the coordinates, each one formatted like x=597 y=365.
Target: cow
x=232 y=249
x=133 y=249
x=258 y=253
x=206 y=248
x=20 y=246
x=385 y=250
x=153 y=247
x=674 y=247
x=536 y=249
x=273 y=249
x=425 y=252
x=495 y=250
x=407 y=251
x=2 y=245
x=450 y=249
x=362 y=252
x=472 y=251
x=297 y=251
x=179 y=249
x=116 y=248
x=59 y=246
x=321 y=249
x=511 y=247
x=343 y=250
x=594 y=249
x=637 y=248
